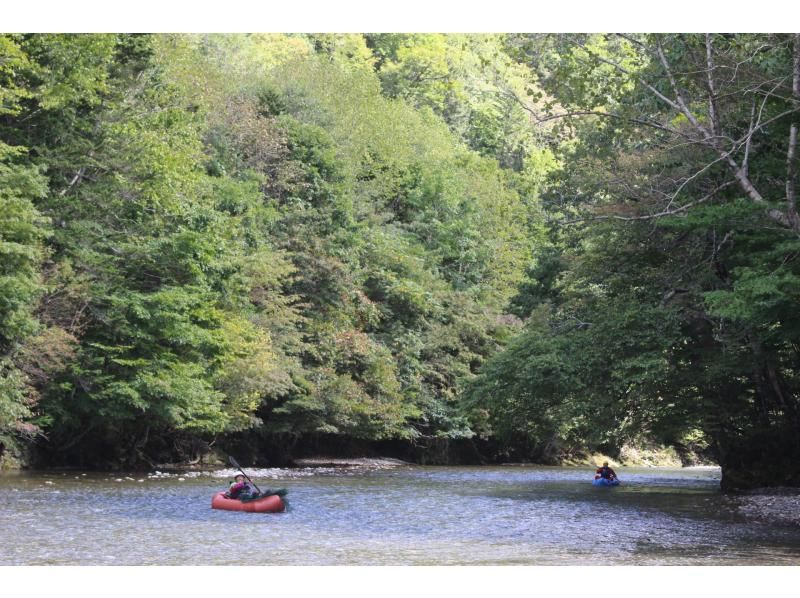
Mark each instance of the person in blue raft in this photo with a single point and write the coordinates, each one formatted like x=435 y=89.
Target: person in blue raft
x=605 y=476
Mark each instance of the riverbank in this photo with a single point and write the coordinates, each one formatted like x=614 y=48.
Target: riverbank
x=641 y=456
x=770 y=505
x=369 y=462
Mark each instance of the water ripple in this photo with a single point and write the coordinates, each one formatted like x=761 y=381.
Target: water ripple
x=406 y=515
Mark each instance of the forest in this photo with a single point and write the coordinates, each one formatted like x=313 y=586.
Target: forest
x=451 y=247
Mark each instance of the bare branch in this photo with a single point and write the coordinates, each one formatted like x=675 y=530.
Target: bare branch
x=713 y=111
x=744 y=181
x=791 y=154
x=717 y=247
x=622 y=69
x=771 y=120
x=75 y=180
x=641 y=121
x=635 y=42
x=749 y=59
x=681 y=106
x=691 y=178
x=680 y=103
x=661 y=214
x=748 y=142
x=723 y=146
x=767 y=96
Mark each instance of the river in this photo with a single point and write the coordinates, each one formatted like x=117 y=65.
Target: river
x=408 y=515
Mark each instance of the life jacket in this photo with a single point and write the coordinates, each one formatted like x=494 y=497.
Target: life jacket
x=605 y=472
x=238 y=488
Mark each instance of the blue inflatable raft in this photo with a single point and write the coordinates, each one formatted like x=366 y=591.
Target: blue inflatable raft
x=605 y=482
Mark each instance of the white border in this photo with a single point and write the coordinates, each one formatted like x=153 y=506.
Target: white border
x=400 y=582
x=398 y=16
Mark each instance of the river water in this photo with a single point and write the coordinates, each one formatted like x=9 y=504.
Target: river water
x=408 y=515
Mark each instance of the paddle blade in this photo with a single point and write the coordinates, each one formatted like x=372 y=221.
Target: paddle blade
x=233 y=462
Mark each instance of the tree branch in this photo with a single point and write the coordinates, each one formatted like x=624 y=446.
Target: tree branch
x=791 y=154
x=625 y=71
x=713 y=110
x=680 y=103
x=746 y=159
x=661 y=214
x=744 y=181
x=75 y=180
x=542 y=119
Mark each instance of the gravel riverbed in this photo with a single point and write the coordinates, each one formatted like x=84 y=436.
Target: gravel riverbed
x=773 y=505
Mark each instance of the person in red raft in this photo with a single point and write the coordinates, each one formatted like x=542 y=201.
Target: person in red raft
x=241 y=489
x=605 y=472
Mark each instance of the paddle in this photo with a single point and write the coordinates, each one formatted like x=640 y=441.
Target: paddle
x=239 y=467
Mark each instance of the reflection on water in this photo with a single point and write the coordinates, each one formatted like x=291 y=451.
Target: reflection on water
x=409 y=515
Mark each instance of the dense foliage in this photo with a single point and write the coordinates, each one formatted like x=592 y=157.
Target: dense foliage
x=664 y=304
x=556 y=242
x=210 y=234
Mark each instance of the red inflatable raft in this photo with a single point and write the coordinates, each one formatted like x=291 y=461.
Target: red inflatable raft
x=268 y=504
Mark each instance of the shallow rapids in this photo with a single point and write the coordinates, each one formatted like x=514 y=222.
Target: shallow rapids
x=407 y=515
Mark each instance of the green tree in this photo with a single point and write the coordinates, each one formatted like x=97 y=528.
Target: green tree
x=23 y=230
x=678 y=187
